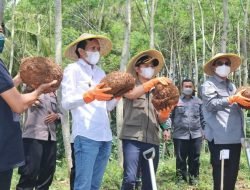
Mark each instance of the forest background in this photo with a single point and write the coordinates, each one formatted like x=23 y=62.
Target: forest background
x=187 y=32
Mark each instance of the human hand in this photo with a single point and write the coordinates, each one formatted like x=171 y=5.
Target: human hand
x=97 y=93
x=151 y=83
x=166 y=135
x=163 y=115
x=164 y=80
x=238 y=98
x=51 y=118
x=43 y=87
x=17 y=80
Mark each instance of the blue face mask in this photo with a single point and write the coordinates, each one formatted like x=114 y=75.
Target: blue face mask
x=2 y=39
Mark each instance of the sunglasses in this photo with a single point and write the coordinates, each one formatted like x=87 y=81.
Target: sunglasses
x=147 y=59
x=220 y=63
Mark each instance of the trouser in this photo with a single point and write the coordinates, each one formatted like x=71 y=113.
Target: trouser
x=72 y=172
x=5 y=179
x=187 y=152
x=231 y=165
x=40 y=158
x=133 y=158
x=91 y=158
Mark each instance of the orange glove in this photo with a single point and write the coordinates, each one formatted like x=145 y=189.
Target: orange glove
x=98 y=93
x=151 y=83
x=163 y=115
x=238 y=98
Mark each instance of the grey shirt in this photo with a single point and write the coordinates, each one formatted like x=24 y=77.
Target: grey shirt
x=187 y=118
x=224 y=122
x=35 y=126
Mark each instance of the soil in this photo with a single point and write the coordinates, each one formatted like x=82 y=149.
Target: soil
x=165 y=96
x=246 y=94
x=119 y=82
x=35 y=71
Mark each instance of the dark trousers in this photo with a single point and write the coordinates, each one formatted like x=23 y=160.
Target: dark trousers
x=133 y=158
x=40 y=158
x=72 y=172
x=187 y=152
x=231 y=165
x=5 y=179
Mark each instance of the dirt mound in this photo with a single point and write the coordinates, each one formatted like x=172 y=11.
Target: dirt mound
x=35 y=71
x=119 y=82
x=246 y=94
x=165 y=96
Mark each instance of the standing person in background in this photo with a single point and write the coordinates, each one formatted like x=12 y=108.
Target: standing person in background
x=140 y=130
x=89 y=105
x=11 y=104
x=223 y=117
x=39 y=140
x=187 y=125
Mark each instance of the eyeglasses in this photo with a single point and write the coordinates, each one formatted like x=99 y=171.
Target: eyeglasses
x=147 y=59
x=220 y=63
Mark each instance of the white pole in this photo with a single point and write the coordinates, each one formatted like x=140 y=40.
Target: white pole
x=222 y=175
x=152 y=173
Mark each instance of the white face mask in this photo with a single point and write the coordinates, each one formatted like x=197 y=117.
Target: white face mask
x=187 y=91
x=147 y=72
x=223 y=70
x=93 y=57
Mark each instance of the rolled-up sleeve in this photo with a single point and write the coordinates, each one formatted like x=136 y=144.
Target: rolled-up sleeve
x=211 y=99
x=70 y=95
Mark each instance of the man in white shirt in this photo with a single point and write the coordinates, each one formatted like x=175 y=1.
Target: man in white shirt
x=86 y=99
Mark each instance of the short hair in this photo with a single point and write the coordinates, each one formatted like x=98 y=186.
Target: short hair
x=187 y=80
x=82 y=45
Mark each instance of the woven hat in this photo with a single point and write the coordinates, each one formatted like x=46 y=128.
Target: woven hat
x=154 y=54
x=105 y=45
x=234 y=59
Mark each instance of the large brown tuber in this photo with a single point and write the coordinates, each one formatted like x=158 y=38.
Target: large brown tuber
x=119 y=82
x=165 y=96
x=35 y=71
x=246 y=94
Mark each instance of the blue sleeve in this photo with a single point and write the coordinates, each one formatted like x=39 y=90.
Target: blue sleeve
x=6 y=82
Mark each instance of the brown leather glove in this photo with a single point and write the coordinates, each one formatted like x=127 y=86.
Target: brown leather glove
x=238 y=98
x=97 y=93
x=151 y=83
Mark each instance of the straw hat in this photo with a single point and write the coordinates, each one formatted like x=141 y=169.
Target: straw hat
x=152 y=53
x=105 y=45
x=234 y=59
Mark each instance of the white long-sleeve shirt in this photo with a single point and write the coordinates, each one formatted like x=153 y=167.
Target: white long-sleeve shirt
x=88 y=120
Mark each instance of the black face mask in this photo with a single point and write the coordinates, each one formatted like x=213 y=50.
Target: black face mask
x=2 y=40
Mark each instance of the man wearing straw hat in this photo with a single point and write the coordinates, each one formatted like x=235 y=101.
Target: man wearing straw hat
x=86 y=99
x=140 y=128
x=223 y=116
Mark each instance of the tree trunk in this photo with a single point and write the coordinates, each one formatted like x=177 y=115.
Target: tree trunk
x=203 y=38
x=101 y=16
x=123 y=62
x=194 y=46
x=2 y=4
x=12 y=46
x=244 y=46
x=58 y=57
x=38 y=35
x=225 y=27
x=151 y=27
x=238 y=50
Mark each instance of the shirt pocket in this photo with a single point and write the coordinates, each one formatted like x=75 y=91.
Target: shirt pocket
x=179 y=115
x=222 y=93
x=196 y=111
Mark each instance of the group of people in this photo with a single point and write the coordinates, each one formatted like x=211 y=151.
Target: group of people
x=216 y=117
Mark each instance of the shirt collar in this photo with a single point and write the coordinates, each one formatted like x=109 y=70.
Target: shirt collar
x=84 y=64
x=220 y=80
x=183 y=97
